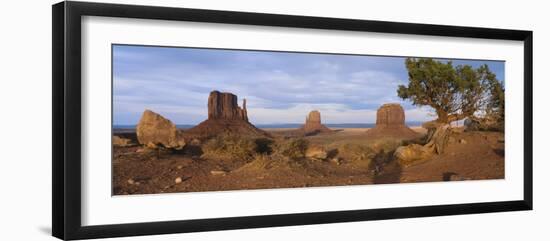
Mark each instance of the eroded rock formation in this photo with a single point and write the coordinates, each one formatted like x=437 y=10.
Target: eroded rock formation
x=155 y=131
x=224 y=106
x=313 y=123
x=436 y=142
x=390 y=122
x=224 y=116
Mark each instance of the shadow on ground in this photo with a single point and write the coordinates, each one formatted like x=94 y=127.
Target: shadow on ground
x=386 y=168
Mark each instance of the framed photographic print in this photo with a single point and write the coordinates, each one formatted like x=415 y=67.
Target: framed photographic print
x=169 y=120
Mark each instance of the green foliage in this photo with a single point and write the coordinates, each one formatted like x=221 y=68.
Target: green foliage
x=496 y=102
x=454 y=92
x=228 y=146
x=264 y=145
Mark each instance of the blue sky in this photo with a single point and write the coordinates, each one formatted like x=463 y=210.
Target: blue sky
x=280 y=87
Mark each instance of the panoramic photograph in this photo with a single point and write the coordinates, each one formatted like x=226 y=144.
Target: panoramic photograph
x=198 y=119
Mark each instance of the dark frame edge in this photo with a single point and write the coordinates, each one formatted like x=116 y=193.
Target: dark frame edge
x=58 y=100
x=66 y=54
x=219 y=224
x=528 y=119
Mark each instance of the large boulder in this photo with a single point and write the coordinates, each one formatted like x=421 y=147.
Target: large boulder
x=316 y=153
x=155 y=131
x=412 y=154
x=390 y=122
x=313 y=124
x=225 y=117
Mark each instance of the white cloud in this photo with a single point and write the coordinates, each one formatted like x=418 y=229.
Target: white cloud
x=278 y=88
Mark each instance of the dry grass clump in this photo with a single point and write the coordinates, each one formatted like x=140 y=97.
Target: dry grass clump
x=229 y=147
x=355 y=152
x=386 y=144
x=261 y=150
x=294 y=148
x=280 y=154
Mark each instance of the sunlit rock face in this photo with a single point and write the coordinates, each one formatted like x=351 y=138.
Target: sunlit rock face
x=313 y=123
x=225 y=116
x=390 y=122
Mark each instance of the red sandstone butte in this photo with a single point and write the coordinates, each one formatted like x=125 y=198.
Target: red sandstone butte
x=225 y=116
x=313 y=124
x=390 y=122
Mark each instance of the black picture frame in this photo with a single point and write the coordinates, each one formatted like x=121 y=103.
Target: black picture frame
x=66 y=158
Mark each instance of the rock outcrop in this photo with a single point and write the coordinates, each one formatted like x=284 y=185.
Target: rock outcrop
x=436 y=142
x=224 y=116
x=224 y=106
x=316 y=153
x=155 y=131
x=313 y=124
x=390 y=122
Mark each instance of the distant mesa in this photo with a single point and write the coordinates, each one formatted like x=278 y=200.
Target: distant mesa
x=390 y=122
x=155 y=131
x=313 y=124
x=224 y=116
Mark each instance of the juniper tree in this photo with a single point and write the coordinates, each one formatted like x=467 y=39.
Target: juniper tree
x=454 y=92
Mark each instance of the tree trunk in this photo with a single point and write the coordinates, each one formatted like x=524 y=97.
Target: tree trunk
x=438 y=138
x=442 y=116
x=436 y=142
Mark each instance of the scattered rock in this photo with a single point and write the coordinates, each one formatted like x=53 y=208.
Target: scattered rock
x=178 y=180
x=485 y=124
x=316 y=153
x=121 y=142
x=335 y=161
x=471 y=125
x=131 y=181
x=390 y=122
x=217 y=173
x=195 y=142
x=180 y=167
x=313 y=124
x=462 y=141
x=155 y=131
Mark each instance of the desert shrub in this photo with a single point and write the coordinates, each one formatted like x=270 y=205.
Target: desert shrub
x=259 y=162
x=228 y=146
x=293 y=148
x=386 y=144
x=264 y=145
x=356 y=152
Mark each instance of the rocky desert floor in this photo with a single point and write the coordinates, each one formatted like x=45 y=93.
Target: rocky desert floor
x=469 y=156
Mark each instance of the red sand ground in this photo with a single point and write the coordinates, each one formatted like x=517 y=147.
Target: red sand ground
x=479 y=156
